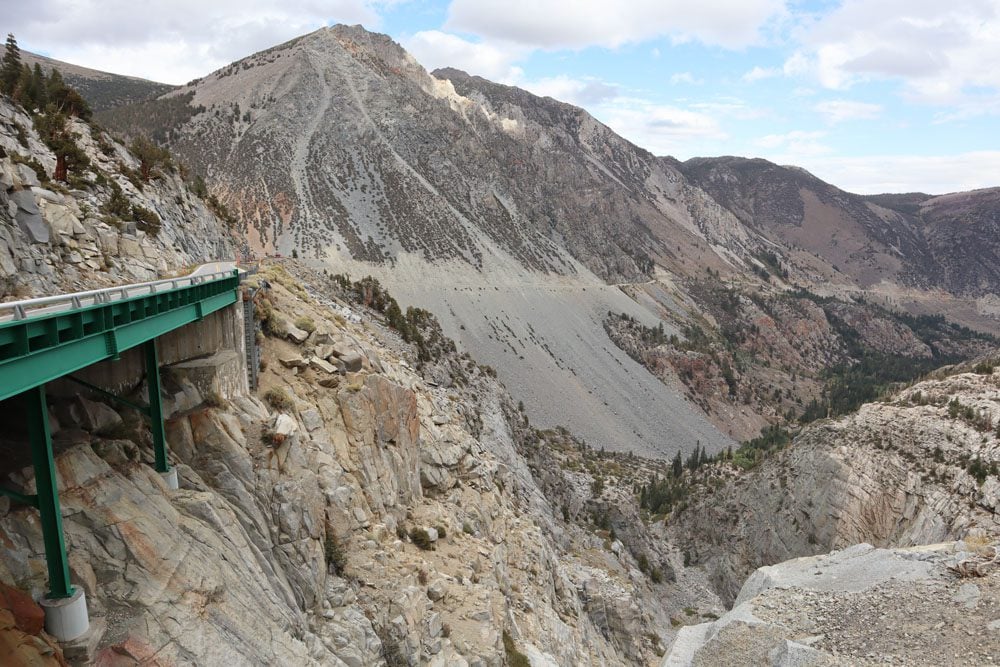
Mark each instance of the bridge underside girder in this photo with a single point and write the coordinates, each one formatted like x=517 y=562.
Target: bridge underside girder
x=41 y=349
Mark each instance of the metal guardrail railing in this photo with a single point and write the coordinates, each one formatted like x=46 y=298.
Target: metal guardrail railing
x=20 y=310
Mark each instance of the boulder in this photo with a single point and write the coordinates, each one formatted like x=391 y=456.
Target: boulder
x=436 y=591
x=296 y=334
x=325 y=336
x=27 y=175
x=324 y=351
x=7 y=265
x=47 y=196
x=342 y=348
x=353 y=361
x=29 y=218
x=28 y=616
x=93 y=416
x=292 y=361
x=322 y=365
x=312 y=419
x=108 y=240
x=7 y=175
x=285 y=425
x=129 y=247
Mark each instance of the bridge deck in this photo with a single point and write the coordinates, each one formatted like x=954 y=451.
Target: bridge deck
x=39 y=348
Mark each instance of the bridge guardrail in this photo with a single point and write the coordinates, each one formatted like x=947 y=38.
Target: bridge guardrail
x=20 y=310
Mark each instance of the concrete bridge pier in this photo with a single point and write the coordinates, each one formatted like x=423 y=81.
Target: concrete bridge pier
x=65 y=606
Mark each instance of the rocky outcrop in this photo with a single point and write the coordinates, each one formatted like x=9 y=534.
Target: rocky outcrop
x=919 y=468
x=54 y=239
x=859 y=606
x=22 y=642
x=377 y=517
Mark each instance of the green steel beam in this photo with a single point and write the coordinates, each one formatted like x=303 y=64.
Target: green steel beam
x=41 y=349
x=144 y=409
x=37 y=414
x=156 y=407
x=19 y=497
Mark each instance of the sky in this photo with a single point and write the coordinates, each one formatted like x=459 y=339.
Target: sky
x=870 y=95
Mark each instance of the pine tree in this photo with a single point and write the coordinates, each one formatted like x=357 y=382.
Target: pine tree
x=22 y=89
x=677 y=466
x=693 y=458
x=39 y=98
x=150 y=156
x=10 y=66
x=66 y=100
x=53 y=129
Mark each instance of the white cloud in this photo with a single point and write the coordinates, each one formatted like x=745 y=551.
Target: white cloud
x=581 y=92
x=660 y=129
x=553 y=24
x=730 y=107
x=758 y=73
x=433 y=49
x=795 y=145
x=685 y=77
x=170 y=41
x=873 y=174
x=837 y=111
x=937 y=50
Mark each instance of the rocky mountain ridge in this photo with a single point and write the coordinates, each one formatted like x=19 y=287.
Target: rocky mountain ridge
x=946 y=242
x=508 y=215
x=103 y=90
x=324 y=492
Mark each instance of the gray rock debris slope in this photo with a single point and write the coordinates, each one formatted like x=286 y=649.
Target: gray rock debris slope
x=859 y=606
x=546 y=339
x=53 y=239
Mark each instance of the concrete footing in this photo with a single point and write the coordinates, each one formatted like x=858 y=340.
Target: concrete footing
x=81 y=651
x=66 y=619
x=170 y=477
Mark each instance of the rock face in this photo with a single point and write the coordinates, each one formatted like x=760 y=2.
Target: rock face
x=103 y=90
x=916 y=239
x=61 y=241
x=22 y=642
x=917 y=469
x=859 y=606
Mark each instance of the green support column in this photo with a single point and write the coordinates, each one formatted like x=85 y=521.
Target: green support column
x=48 y=493
x=156 y=407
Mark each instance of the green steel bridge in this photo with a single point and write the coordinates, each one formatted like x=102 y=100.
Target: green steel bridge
x=45 y=339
